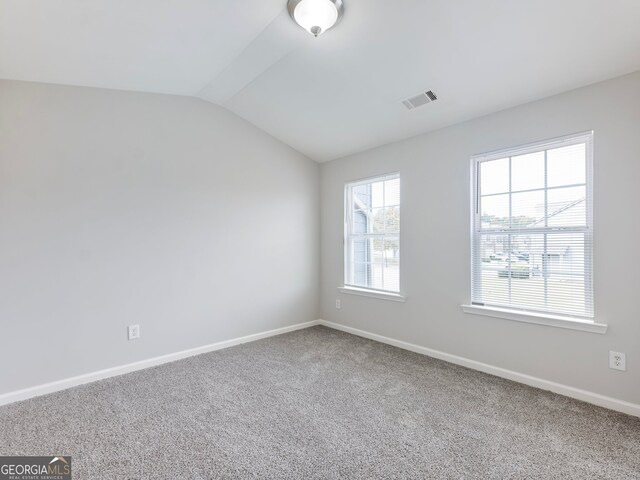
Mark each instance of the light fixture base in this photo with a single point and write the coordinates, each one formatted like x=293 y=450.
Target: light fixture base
x=316 y=16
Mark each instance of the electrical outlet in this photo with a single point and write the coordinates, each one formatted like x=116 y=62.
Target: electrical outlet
x=133 y=331
x=617 y=361
x=338 y=303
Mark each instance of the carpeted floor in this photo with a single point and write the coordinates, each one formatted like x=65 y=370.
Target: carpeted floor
x=319 y=403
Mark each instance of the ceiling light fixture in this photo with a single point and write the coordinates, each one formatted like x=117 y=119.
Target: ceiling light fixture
x=316 y=16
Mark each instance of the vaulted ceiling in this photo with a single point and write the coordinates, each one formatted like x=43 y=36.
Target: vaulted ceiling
x=337 y=94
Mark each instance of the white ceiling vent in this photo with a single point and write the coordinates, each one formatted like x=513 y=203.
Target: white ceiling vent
x=419 y=100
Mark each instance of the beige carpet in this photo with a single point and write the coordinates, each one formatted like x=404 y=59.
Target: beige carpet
x=319 y=403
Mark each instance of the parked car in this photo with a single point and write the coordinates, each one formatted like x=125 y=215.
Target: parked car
x=517 y=270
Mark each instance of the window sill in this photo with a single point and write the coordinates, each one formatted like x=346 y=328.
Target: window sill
x=394 y=297
x=537 y=318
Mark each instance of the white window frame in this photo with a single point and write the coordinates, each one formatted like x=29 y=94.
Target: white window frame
x=347 y=286
x=585 y=323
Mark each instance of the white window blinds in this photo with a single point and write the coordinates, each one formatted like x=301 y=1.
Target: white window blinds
x=372 y=234
x=532 y=232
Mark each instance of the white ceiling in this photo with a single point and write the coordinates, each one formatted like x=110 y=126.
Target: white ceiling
x=339 y=93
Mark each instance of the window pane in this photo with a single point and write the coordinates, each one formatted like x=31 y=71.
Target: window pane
x=392 y=250
x=566 y=165
x=494 y=176
x=386 y=220
x=493 y=250
x=494 y=258
x=360 y=252
x=377 y=263
x=527 y=209
x=378 y=220
x=377 y=276
x=377 y=192
x=565 y=270
x=361 y=275
x=392 y=264
x=495 y=211
x=360 y=221
x=362 y=195
x=527 y=171
x=567 y=207
x=392 y=219
x=392 y=192
x=525 y=272
x=376 y=245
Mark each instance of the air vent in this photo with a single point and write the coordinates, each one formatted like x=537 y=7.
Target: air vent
x=419 y=100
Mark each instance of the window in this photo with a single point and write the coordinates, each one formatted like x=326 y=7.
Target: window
x=532 y=231
x=372 y=234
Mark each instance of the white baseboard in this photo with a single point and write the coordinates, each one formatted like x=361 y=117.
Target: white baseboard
x=151 y=362
x=583 y=395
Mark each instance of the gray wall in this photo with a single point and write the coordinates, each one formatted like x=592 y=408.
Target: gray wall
x=119 y=208
x=435 y=249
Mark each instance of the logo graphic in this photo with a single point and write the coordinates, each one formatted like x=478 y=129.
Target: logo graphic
x=54 y=467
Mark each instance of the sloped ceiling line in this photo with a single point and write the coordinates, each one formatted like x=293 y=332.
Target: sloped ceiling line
x=271 y=45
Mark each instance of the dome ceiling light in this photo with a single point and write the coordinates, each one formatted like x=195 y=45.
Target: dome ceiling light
x=316 y=16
